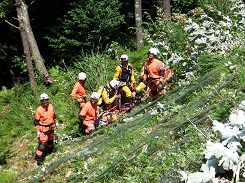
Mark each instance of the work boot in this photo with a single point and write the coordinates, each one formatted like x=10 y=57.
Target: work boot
x=92 y=131
x=52 y=150
x=39 y=160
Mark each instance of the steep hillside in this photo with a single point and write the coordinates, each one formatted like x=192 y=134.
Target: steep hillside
x=152 y=143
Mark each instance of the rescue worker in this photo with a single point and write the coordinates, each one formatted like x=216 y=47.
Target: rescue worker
x=154 y=73
x=110 y=95
x=125 y=74
x=45 y=121
x=78 y=92
x=88 y=114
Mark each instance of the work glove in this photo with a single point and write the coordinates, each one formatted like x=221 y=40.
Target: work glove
x=161 y=79
x=133 y=86
x=57 y=125
x=38 y=134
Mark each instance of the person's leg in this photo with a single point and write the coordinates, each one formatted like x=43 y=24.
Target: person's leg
x=41 y=148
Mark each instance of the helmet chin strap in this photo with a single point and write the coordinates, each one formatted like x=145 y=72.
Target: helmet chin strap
x=44 y=103
x=94 y=101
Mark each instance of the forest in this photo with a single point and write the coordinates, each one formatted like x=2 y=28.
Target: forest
x=192 y=133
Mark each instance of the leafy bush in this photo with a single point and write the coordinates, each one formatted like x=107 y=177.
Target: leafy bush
x=96 y=27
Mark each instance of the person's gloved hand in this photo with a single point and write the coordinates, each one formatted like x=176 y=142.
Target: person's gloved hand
x=162 y=80
x=116 y=96
x=132 y=86
x=38 y=134
x=57 y=125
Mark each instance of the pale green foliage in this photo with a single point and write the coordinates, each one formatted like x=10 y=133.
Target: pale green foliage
x=7 y=177
x=3 y=4
x=5 y=93
x=98 y=68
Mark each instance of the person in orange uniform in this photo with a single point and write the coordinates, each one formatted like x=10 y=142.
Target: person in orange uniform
x=154 y=73
x=45 y=121
x=78 y=92
x=89 y=113
x=125 y=74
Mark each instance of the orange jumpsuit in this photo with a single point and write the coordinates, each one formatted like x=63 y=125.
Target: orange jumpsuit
x=78 y=92
x=46 y=118
x=89 y=113
x=153 y=68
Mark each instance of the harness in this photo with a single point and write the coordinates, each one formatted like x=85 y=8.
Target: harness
x=126 y=73
x=50 y=130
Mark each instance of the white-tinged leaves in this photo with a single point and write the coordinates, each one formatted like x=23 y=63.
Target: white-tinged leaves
x=226 y=157
x=208 y=175
x=201 y=41
x=242 y=105
x=237 y=118
x=226 y=131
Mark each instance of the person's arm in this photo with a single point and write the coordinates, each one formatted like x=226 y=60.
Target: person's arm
x=81 y=118
x=106 y=99
x=74 y=91
x=117 y=73
x=36 y=122
x=145 y=76
x=132 y=77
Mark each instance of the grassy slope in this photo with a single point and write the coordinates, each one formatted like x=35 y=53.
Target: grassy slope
x=149 y=144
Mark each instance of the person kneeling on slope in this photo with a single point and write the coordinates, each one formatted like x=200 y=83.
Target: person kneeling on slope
x=110 y=95
x=88 y=114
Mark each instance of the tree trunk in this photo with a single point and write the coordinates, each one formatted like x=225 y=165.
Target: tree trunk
x=159 y=3
x=28 y=58
x=24 y=21
x=165 y=5
x=138 y=22
x=167 y=9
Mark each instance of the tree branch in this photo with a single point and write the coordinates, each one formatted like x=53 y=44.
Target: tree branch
x=11 y=24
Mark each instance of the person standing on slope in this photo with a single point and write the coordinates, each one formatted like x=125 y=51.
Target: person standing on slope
x=79 y=92
x=154 y=73
x=125 y=74
x=45 y=121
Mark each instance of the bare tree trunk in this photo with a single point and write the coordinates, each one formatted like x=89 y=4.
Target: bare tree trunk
x=165 y=5
x=159 y=3
x=23 y=17
x=28 y=58
x=12 y=77
x=138 y=22
x=167 y=9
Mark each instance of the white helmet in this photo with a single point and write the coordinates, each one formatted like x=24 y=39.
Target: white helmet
x=153 y=51
x=82 y=76
x=115 y=84
x=95 y=96
x=124 y=56
x=44 y=96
